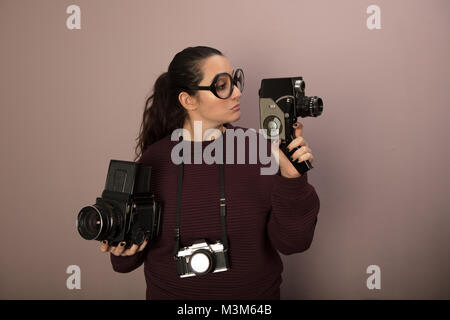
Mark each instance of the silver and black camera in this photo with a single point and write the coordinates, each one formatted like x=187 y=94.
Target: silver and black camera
x=202 y=258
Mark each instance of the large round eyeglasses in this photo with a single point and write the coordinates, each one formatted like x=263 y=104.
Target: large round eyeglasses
x=223 y=84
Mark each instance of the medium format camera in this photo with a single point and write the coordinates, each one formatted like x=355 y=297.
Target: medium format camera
x=126 y=211
x=202 y=258
x=281 y=102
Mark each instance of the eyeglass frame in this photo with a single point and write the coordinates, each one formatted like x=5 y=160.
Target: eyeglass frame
x=212 y=87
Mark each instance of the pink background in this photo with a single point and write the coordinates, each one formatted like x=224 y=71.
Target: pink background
x=71 y=100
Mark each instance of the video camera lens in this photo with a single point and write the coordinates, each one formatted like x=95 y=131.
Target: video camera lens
x=310 y=107
x=98 y=223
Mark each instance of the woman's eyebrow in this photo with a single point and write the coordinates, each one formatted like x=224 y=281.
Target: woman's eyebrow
x=229 y=73
x=232 y=71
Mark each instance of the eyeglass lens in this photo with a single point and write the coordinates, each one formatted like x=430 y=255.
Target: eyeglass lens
x=224 y=86
x=239 y=79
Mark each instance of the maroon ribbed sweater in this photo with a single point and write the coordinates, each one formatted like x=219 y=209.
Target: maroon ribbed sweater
x=265 y=214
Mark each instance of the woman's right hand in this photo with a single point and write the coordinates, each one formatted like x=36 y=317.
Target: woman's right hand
x=120 y=249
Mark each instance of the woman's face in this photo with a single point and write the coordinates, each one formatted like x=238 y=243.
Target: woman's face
x=206 y=106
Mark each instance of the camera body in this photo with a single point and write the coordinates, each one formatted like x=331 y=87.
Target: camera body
x=202 y=258
x=281 y=102
x=126 y=211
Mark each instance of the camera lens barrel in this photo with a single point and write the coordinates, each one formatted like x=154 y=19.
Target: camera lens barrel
x=89 y=223
x=97 y=222
x=310 y=107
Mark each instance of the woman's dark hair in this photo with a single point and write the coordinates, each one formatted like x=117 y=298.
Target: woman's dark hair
x=163 y=112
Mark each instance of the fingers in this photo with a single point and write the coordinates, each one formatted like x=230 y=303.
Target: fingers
x=104 y=246
x=301 y=154
x=117 y=251
x=120 y=249
x=131 y=251
x=142 y=246
x=299 y=141
x=304 y=152
x=304 y=157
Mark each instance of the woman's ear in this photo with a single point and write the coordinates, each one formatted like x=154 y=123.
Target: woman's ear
x=187 y=101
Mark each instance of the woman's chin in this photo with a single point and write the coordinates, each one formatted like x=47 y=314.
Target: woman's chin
x=236 y=116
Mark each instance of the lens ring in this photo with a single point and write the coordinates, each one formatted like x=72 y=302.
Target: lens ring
x=86 y=226
x=316 y=106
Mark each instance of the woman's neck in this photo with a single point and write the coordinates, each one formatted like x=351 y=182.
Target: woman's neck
x=197 y=130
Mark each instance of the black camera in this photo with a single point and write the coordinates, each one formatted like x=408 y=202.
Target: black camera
x=281 y=102
x=202 y=258
x=126 y=210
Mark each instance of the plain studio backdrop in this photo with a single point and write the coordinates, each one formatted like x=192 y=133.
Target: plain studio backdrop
x=72 y=99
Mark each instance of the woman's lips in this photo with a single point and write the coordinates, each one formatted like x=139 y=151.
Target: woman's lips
x=236 y=107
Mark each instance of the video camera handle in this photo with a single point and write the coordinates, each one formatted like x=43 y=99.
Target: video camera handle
x=301 y=167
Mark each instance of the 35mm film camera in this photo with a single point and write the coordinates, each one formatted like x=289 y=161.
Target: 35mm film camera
x=281 y=102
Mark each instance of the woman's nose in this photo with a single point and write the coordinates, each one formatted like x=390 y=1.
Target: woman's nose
x=236 y=92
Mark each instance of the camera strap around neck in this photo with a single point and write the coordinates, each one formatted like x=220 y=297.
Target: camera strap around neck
x=222 y=204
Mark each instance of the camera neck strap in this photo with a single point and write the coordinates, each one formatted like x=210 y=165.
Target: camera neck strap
x=222 y=204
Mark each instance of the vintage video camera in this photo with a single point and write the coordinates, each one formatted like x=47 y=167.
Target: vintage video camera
x=281 y=102
x=126 y=210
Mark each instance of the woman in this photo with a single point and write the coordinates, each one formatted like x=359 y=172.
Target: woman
x=264 y=213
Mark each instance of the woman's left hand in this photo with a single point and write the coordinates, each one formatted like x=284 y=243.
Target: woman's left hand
x=302 y=154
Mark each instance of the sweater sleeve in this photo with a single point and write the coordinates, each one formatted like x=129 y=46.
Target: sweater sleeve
x=293 y=218
x=124 y=264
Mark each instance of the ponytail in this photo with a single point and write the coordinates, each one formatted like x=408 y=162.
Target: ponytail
x=155 y=123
